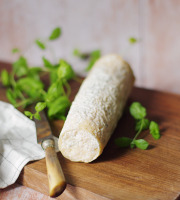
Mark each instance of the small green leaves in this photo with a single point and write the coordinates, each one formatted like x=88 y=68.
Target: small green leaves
x=141 y=144
x=54 y=91
x=30 y=86
x=53 y=76
x=77 y=53
x=132 y=40
x=28 y=83
x=5 y=78
x=20 y=67
x=37 y=116
x=10 y=96
x=34 y=72
x=15 y=50
x=25 y=86
x=123 y=141
x=40 y=44
x=59 y=106
x=55 y=33
x=154 y=130
x=47 y=63
x=28 y=114
x=65 y=70
x=137 y=110
x=40 y=106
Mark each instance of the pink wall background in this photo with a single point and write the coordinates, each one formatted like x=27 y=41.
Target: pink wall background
x=103 y=24
x=96 y=24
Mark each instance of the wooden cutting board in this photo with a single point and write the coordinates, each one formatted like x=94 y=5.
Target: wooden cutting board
x=125 y=173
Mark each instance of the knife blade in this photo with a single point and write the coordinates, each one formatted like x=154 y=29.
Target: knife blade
x=56 y=179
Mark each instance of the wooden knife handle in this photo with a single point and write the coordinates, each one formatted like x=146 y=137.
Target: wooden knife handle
x=57 y=182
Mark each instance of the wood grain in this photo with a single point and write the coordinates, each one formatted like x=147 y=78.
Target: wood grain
x=23 y=192
x=125 y=173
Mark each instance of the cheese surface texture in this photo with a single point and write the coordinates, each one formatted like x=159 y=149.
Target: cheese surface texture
x=96 y=109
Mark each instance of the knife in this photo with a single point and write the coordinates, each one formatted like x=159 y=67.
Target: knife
x=56 y=179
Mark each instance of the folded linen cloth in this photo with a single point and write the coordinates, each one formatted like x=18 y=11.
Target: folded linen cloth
x=18 y=143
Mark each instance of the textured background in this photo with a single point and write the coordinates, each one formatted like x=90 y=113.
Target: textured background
x=96 y=24
x=102 y=24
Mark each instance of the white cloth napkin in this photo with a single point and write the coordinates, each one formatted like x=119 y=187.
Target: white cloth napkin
x=18 y=143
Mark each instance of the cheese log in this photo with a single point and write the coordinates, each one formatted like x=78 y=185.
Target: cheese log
x=96 y=109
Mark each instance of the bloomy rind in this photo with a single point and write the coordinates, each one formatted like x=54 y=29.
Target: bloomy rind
x=96 y=109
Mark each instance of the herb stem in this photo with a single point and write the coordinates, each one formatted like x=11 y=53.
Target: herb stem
x=21 y=95
x=13 y=82
x=139 y=131
x=63 y=91
x=24 y=102
x=68 y=88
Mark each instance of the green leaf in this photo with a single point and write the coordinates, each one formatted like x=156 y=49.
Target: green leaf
x=123 y=141
x=137 y=110
x=132 y=144
x=15 y=50
x=37 y=116
x=5 y=78
x=30 y=86
x=55 y=33
x=142 y=122
x=11 y=97
x=47 y=63
x=34 y=72
x=60 y=117
x=29 y=83
x=20 y=67
x=40 y=106
x=28 y=114
x=17 y=93
x=53 y=76
x=141 y=144
x=94 y=56
x=59 y=106
x=76 y=52
x=132 y=40
x=40 y=44
x=154 y=130
x=54 y=91
x=65 y=70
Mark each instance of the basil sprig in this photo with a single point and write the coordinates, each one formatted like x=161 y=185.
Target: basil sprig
x=24 y=85
x=138 y=112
